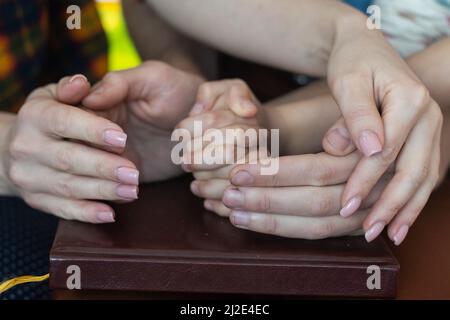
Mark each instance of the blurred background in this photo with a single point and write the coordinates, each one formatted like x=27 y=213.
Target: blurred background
x=121 y=52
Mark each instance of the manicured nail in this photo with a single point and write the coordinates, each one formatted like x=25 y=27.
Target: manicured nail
x=128 y=175
x=115 y=138
x=369 y=143
x=240 y=219
x=233 y=198
x=350 y=207
x=194 y=187
x=127 y=192
x=78 y=79
x=197 y=109
x=339 y=138
x=374 y=231
x=242 y=178
x=106 y=216
x=401 y=235
x=208 y=205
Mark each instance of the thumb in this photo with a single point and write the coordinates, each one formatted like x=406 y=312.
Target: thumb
x=71 y=90
x=355 y=97
x=337 y=141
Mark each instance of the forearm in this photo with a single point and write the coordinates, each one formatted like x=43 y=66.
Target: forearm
x=304 y=117
x=7 y=120
x=295 y=35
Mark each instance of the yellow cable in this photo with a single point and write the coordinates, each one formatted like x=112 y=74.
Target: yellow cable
x=8 y=284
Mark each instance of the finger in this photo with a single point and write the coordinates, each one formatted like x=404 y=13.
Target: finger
x=397 y=128
x=412 y=169
x=209 y=189
x=399 y=227
x=300 y=200
x=313 y=170
x=297 y=227
x=217 y=206
x=81 y=160
x=69 y=186
x=63 y=121
x=209 y=93
x=221 y=173
x=355 y=96
x=337 y=141
x=71 y=90
x=80 y=210
x=241 y=101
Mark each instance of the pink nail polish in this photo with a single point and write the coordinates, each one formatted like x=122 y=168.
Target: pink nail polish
x=78 y=79
x=115 y=138
x=240 y=218
x=233 y=198
x=401 y=235
x=128 y=175
x=106 y=216
x=196 y=109
x=127 y=192
x=242 y=178
x=369 y=143
x=339 y=138
x=374 y=231
x=350 y=207
x=194 y=187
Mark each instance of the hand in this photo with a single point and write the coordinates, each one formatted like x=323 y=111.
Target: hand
x=228 y=106
x=365 y=74
x=301 y=201
x=57 y=156
x=147 y=102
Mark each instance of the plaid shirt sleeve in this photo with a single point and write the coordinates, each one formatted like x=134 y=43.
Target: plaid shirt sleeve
x=36 y=47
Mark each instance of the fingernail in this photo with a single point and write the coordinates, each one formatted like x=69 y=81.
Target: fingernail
x=350 y=207
x=196 y=109
x=401 y=235
x=339 y=138
x=115 y=138
x=370 y=143
x=128 y=175
x=106 y=216
x=374 y=231
x=241 y=178
x=78 y=79
x=208 y=205
x=127 y=192
x=194 y=187
x=240 y=219
x=185 y=167
x=233 y=198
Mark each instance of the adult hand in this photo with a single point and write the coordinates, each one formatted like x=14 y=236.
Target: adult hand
x=59 y=156
x=147 y=101
x=390 y=118
x=302 y=200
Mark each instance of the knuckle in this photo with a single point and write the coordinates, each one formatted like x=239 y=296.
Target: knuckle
x=322 y=230
x=321 y=173
x=63 y=159
x=321 y=205
x=111 y=77
x=105 y=191
x=204 y=91
x=270 y=224
x=56 y=120
x=16 y=174
x=18 y=149
x=63 y=187
x=263 y=202
x=419 y=94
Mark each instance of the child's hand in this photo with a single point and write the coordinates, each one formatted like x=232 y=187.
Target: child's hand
x=221 y=105
x=416 y=175
x=227 y=105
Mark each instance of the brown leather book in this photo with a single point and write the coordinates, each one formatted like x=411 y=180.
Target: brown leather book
x=167 y=242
